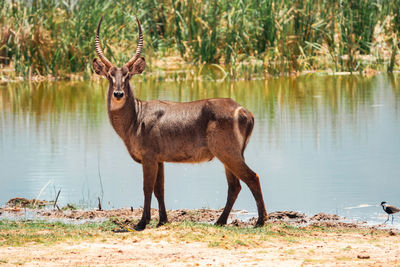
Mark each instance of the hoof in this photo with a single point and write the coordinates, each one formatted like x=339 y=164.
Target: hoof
x=140 y=227
x=220 y=223
x=161 y=223
x=259 y=223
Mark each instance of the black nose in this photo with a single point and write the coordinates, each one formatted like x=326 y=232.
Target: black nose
x=118 y=94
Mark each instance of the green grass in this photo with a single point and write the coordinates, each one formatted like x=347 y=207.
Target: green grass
x=245 y=37
x=20 y=233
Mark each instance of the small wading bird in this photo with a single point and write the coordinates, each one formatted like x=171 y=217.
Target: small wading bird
x=156 y=131
x=390 y=210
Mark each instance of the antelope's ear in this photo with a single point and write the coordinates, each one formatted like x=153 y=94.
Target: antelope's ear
x=100 y=68
x=138 y=66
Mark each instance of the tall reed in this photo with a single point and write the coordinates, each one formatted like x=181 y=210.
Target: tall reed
x=40 y=37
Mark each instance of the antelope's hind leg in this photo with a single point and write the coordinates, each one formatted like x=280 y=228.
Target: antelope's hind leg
x=232 y=158
x=233 y=191
x=236 y=164
x=252 y=180
x=159 y=193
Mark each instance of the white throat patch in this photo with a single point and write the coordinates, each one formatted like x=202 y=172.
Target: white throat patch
x=116 y=104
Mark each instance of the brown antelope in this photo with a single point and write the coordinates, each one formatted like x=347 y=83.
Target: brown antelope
x=157 y=131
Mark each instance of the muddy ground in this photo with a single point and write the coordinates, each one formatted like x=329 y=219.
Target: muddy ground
x=131 y=216
x=40 y=209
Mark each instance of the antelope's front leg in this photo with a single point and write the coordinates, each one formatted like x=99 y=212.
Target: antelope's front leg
x=149 y=178
x=159 y=193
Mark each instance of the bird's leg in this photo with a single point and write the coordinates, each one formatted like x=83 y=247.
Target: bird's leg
x=387 y=218
x=392 y=218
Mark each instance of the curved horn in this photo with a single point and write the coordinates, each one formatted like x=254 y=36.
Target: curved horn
x=98 y=48
x=138 y=49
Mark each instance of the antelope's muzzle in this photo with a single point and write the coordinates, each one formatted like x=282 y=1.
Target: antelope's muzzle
x=118 y=94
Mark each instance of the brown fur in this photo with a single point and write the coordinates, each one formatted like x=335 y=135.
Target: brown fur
x=156 y=131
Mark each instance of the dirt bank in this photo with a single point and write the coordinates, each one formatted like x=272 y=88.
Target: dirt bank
x=131 y=216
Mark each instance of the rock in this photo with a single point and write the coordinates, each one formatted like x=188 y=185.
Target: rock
x=363 y=255
x=391 y=232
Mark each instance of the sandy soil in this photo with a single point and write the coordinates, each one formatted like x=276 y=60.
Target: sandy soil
x=327 y=250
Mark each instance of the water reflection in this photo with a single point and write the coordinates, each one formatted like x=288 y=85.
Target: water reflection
x=265 y=97
x=321 y=143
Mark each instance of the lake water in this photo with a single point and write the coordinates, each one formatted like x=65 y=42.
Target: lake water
x=320 y=144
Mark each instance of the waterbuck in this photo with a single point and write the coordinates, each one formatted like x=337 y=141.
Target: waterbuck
x=157 y=131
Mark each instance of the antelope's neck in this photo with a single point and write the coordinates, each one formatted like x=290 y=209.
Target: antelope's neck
x=124 y=119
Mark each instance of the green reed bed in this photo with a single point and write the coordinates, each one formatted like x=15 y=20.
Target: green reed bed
x=244 y=38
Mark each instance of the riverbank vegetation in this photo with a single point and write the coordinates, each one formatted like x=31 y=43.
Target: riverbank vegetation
x=214 y=39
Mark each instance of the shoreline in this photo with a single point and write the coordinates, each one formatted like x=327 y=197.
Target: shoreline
x=129 y=216
x=190 y=74
x=22 y=209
